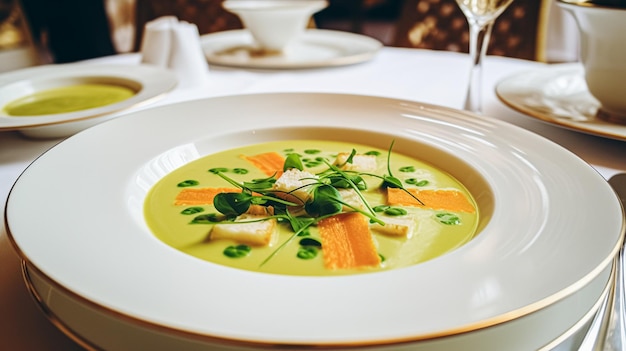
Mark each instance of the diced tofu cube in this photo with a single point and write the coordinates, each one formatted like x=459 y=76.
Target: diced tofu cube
x=360 y=163
x=258 y=233
x=351 y=197
x=294 y=185
x=396 y=226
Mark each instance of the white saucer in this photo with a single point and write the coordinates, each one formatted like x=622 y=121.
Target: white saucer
x=316 y=48
x=558 y=94
x=148 y=82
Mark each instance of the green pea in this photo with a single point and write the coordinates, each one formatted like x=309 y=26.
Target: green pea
x=205 y=219
x=310 y=242
x=307 y=252
x=218 y=170
x=237 y=251
x=188 y=182
x=381 y=208
x=192 y=210
x=395 y=211
x=448 y=218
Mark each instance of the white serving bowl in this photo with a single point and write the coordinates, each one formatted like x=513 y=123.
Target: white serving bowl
x=533 y=262
x=275 y=24
x=149 y=83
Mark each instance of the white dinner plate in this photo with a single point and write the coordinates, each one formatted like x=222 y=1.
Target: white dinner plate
x=547 y=229
x=315 y=48
x=558 y=94
x=149 y=83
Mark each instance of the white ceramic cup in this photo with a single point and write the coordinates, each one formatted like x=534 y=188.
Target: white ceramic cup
x=274 y=24
x=603 y=51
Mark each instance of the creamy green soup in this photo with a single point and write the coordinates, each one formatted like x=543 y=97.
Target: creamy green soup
x=68 y=99
x=189 y=228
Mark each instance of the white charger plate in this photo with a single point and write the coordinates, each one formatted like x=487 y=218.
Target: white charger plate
x=314 y=48
x=149 y=82
x=558 y=94
x=547 y=231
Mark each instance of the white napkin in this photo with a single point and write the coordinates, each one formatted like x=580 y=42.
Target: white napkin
x=170 y=43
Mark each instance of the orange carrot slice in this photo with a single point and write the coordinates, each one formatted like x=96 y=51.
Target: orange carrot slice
x=202 y=196
x=449 y=200
x=347 y=242
x=269 y=163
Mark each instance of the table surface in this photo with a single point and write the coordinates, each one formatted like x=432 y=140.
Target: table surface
x=435 y=77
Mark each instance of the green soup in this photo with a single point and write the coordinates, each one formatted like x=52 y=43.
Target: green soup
x=68 y=99
x=188 y=228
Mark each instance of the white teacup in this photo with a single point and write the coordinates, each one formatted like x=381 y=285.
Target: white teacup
x=603 y=51
x=274 y=24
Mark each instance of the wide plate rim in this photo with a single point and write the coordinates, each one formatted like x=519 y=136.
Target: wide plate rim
x=517 y=89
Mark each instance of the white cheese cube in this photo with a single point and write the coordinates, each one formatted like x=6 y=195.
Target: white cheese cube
x=360 y=163
x=261 y=232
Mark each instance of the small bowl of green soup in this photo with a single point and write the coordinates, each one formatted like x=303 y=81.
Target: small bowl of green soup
x=59 y=107
x=55 y=101
x=70 y=98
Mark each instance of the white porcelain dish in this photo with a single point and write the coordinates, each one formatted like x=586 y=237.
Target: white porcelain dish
x=561 y=326
x=558 y=94
x=534 y=250
x=149 y=83
x=313 y=49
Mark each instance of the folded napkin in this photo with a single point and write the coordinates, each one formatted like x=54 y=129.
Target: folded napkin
x=170 y=43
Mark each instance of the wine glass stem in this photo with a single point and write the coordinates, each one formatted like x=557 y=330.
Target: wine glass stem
x=479 y=40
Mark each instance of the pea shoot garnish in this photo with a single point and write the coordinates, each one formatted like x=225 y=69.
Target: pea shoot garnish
x=319 y=197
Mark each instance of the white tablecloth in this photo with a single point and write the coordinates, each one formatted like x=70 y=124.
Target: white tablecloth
x=426 y=76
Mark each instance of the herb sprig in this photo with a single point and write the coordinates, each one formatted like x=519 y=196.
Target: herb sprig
x=324 y=198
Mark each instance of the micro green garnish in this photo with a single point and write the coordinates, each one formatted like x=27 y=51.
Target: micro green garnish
x=325 y=200
x=389 y=181
x=312 y=151
x=237 y=251
x=192 y=210
x=293 y=161
x=407 y=169
x=240 y=171
x=373 y=153
x=188 y=182
x=234 y=204
x=448 y=218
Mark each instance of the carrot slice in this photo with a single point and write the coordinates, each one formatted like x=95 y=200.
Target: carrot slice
x=449 y=200
x=347 y=242
x=269 y=163
x=202 y=196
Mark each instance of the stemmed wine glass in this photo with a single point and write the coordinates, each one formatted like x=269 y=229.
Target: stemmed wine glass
x=480 y=15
